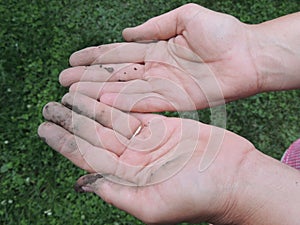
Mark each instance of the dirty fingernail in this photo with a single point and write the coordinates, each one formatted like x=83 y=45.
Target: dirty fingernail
x=84 y=183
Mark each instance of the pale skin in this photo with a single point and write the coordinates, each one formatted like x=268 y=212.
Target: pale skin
x=224 y=62
x=202 y=58
x=223 y=193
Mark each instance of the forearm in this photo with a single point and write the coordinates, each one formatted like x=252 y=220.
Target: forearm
x=275 y=48
x=269 y=192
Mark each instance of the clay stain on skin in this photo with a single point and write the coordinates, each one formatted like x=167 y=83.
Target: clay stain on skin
x=89 y=179
x=121 y=80
x=74 y=108
x=109 y=69
x=47 y=107
x=62 y=119
x=72 y=144
x=57 y=113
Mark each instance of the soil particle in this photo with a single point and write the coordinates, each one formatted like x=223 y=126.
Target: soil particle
x=109 y=69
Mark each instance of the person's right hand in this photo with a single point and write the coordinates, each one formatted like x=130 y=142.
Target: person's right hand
x=172 y=169
x=199 y=58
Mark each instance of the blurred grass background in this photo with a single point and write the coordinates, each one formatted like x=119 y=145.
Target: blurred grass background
x=36 y=39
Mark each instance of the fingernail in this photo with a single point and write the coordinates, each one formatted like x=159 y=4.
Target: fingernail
x=84 y=184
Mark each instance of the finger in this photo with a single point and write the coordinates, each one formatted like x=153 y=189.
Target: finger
x=144 y=102
x=102 y=73
x=155 y=95
x=127 y=198
x=89 y=157
x=77 y=150
x=85 y=128
x=121 y=122
x=111 y=53
x=96 y=89
x=162 y=27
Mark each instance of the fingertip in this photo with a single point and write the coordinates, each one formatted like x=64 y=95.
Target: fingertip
x=79 y=58
x=42 y=130
x=62 y=78
x=127 y=34
x=71 y=75
x=73 y=87
x=65 y=98
x=73 y=59
x=84 y=56
x=45 y=110
x=50 y=108
x=107 y=98
x=141 y=33
x=68 y=100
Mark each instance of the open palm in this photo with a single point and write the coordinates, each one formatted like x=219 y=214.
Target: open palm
x=197 y=58
x=148 y=174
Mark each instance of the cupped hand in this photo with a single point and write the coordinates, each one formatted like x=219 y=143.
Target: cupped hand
x=189 y=58
x=159 y=169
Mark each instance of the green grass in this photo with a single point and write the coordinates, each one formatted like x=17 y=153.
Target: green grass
x=36 y=39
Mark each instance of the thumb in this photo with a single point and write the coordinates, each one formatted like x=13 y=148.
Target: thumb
x=122 y=196
x=162 y=27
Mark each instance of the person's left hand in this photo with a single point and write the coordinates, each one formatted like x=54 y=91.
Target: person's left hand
x=169 y=170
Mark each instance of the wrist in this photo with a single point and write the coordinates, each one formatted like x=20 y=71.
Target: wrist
x=275 y=50
x=268 y=192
